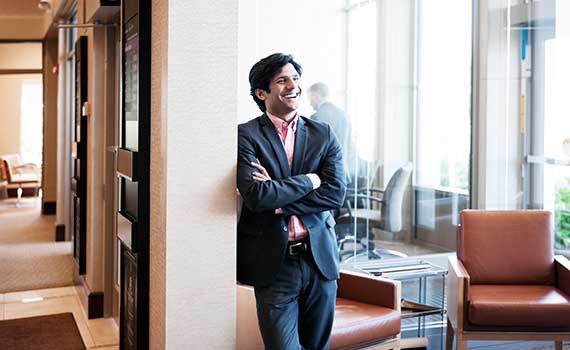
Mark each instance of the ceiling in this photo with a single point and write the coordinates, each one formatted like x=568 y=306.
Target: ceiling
x=20 y=8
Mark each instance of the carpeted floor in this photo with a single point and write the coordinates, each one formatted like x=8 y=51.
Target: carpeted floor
x=29 y=256
x=53 y=332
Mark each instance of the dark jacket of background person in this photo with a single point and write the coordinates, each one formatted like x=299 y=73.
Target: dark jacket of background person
x=338 y=120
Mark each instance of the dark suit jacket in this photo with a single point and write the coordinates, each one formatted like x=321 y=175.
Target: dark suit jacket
x=262 y=235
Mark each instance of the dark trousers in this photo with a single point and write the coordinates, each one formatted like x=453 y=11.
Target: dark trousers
x=297 y=310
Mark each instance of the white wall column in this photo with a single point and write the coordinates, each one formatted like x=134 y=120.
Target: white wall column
x=193 y=160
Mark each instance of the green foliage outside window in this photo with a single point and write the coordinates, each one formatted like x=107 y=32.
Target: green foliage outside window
x=562 y=217
x=461 y=170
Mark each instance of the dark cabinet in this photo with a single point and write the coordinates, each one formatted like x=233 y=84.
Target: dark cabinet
x=79 y=157
x=133 y=169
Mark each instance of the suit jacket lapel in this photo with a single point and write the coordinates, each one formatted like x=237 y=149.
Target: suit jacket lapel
x=275 y=141
x=300 y=144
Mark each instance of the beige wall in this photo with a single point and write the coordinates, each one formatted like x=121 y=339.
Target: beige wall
x=49 y=168
x=95 y=159
x=21 y=55
x=23 y=27
x=157 y=291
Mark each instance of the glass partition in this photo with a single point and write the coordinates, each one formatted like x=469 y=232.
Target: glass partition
x=20 y=55
x=550 y=157
x=443 y=119
x=399 y=76
x=540 y=49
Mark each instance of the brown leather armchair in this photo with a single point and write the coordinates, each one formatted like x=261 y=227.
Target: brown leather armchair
x=506 y=283
x=367 y=314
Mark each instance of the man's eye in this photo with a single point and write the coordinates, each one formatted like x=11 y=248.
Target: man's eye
x=280 y=81
x=296 y=78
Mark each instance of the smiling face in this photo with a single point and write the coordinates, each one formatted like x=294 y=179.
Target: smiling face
x=284 y=93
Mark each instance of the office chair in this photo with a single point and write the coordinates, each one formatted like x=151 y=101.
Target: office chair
x=374 y=208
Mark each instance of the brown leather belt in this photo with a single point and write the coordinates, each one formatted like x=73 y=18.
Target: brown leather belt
x=298 y=247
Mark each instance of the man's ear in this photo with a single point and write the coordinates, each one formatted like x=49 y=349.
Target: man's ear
x=260 y=93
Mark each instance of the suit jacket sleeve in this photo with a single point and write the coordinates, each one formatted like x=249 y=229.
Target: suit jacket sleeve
x=265 y=195
x=330 y=195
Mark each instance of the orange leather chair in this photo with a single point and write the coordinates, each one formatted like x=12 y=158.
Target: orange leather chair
x=506 y=283
x=367 y=315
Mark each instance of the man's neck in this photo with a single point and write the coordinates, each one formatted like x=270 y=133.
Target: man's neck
x=286 y=117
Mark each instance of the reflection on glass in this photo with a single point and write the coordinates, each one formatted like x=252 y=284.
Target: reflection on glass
x=131 y=87
x=130 y=200
x=132 y=135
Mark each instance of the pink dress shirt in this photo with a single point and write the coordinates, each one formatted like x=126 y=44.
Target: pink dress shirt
x=286 y=131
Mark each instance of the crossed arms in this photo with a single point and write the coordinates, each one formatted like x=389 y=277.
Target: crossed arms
x=294 y=195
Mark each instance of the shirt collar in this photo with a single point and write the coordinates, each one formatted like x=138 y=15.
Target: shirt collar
x=278 y=123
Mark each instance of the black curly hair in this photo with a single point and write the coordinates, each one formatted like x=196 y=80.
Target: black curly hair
x=263 y=71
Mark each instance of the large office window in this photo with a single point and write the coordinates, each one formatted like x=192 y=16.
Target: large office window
x=401 y=73
x=31 y=133
x=361 y=72
x=556 y=185
x=443 y=118
x=548 y=155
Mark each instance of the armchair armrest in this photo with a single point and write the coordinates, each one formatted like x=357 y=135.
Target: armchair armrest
x=369 y=289
x=562 y=273
x=457 y=291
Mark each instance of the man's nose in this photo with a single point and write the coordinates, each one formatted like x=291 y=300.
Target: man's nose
x=292 y=84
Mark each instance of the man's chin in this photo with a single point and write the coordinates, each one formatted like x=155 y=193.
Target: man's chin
x=293 y=106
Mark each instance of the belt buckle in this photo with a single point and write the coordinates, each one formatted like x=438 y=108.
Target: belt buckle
x=293 y=246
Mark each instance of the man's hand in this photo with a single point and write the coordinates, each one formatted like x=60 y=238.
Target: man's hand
x=263 y=176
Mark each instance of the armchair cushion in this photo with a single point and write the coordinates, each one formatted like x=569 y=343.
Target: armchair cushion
x=519 y=306
x=361 y=324
x=507 y=247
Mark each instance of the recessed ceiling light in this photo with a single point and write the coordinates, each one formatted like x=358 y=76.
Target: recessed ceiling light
x=44 y=5
x=32 y=300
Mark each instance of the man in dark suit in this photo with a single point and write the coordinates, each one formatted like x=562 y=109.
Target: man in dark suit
x=290 y=175
x=327 y=112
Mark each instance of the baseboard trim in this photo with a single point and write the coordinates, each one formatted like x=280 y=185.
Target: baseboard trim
x=60 y=233
x=49 y=208
x=93 y=302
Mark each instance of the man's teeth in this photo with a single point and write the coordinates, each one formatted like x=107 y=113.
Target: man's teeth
x=292 y=95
